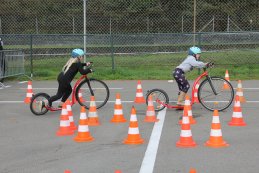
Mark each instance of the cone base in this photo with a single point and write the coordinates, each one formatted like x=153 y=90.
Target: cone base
x=151 y=119
x=122 y=120
x=73 y=127
x=237 y=123
x=186 y=144
x=65 y=132
x=83 y=139
x=133 y=141
x=216 y=145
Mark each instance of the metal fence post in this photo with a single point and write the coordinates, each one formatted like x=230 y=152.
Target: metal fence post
x=31 y=55
x=112 y=48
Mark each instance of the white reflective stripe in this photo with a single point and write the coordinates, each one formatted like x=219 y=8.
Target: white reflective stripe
x=29 y=87
x=215 y=119
x=239 y=85
x=83 y=115
x=195 y=94
x=92 y=103
x=227 y=75
x=64 y=123
x=69 y=108
x=186 y=133
x=118 y=111
x=237 y=114
x=189 y=112
x=64 y=112
x=215 y=132
x=150 y=103
x=185 y=120
x=237 y=104
x=139 y=87
x=133 y=130
x=240 y=93
x=80 y=94
x=83 y=128
x=71 y=119
x=133 y=117
x=139 y=94
x=29 y=94
x=92 y=114
x=150 y=113
x=118 y=101
x=187 y=102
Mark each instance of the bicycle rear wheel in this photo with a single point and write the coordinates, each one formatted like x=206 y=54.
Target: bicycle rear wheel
x=40 y=97
x=158 y=96
x=223 y=97
x=98 y=89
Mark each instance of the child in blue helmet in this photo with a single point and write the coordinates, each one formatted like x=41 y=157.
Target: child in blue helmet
x=65 y=77
x=187 y=65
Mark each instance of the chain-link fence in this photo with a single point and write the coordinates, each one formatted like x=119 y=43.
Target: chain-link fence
x=130 y=33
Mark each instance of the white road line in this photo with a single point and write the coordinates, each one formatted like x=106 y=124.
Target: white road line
x=57 y=88
x=249 y=88
x=23 y=82
x=148 y=162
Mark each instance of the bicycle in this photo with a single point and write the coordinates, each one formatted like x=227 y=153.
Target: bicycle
x=210 y=91
x=87 y=86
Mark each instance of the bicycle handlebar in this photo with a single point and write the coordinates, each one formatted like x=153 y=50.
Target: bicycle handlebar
x=209 y=65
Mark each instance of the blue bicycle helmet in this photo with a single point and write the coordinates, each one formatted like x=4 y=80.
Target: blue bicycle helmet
x=194 y=50
x=77 y=53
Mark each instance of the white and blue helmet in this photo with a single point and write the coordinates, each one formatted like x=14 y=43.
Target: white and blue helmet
x=77 y=52
x=194 y=50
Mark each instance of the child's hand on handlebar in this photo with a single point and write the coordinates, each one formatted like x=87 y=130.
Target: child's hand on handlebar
x=89 y=63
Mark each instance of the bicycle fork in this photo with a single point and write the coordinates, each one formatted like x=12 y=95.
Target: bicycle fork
x=212 y=86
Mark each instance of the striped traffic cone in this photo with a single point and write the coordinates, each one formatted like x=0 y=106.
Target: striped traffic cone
x=83 y=134
x=133 y=132
x=29 y=93
x=70 y=115
x=225 y=86
x=195 y=95
x=118 y=112
x=186 y=133
x=139 y=94
x=64 y=128
x=150 y=113
x=187 y=105
x=93 y=119
x=216 y=139
x=240 y=92
x=80 y=96
x=237 y=117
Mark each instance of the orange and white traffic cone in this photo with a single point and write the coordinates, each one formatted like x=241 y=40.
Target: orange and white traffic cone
x=93 y=119
x=64 y=128
x=29 y=93
x=192 y=170
x=80 y=96
x=83 y=134
x=70 y=115
x=240 y=92
x=237 y=117
x=186 y=133
x=118 y=112
x=216 y=139
x=133 y=132
x=225 y=86
x=139 y=94
x=187 y=105
x=195 y=98
x=150 y=113
x=67 y=171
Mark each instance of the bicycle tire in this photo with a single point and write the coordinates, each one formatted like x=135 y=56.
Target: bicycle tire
x=223 y=99
x=34 y=99
x=100 y=91
x=158 y=94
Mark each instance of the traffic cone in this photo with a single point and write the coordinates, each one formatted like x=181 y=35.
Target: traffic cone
x=93 y=119
x=64 y=128
x=80 y=96
x=195 y=98
x=240 y=92
x=216 y=139
x=139 y=94
x=237 y=117
x=187 y=105
x=117 y=171
x=83 y=134
x=192 y=170
x=133 y=132
x=118 y=112
x=186 y=133
x=67 y=171
x=225 y=86
x=29 y=93
x=70 y=115
x=150 y=113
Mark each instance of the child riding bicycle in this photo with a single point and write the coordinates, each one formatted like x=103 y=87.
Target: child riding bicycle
x=65 y=77
x=187 y=65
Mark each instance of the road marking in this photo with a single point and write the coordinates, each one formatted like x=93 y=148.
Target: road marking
x=249 y=88
x=23 y=82
x=57 y=88
x=148 y=162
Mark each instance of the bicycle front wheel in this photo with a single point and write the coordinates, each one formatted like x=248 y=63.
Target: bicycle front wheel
x=92 y=87
x=34 y=105
x=159 y=97
x=222 y=97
